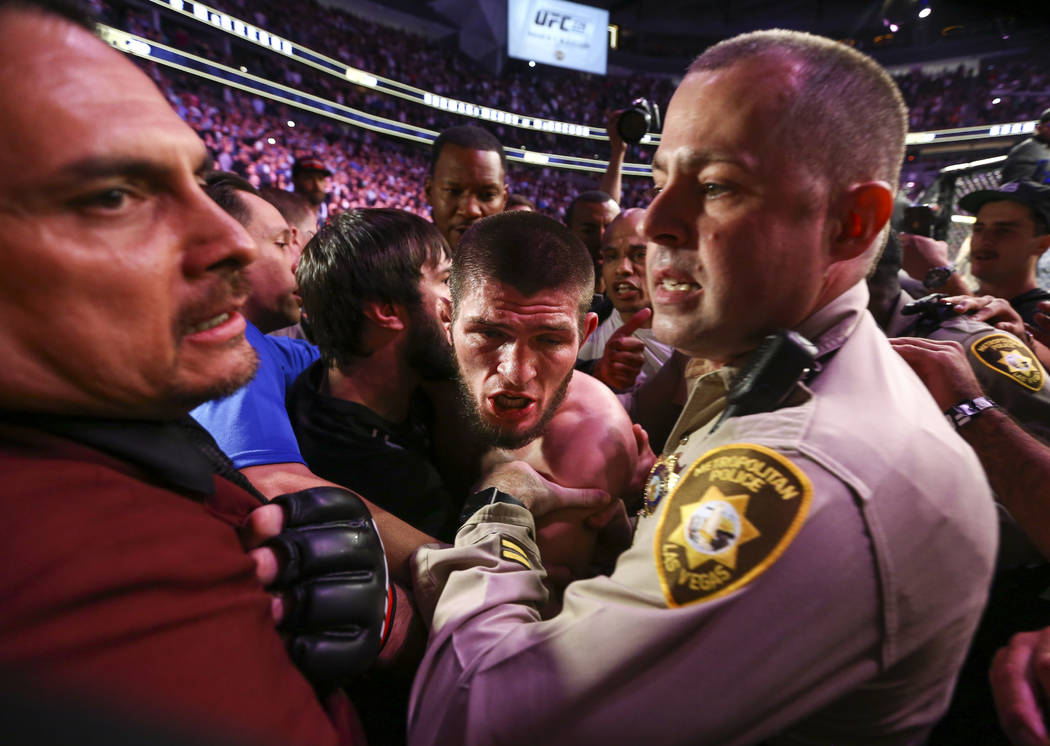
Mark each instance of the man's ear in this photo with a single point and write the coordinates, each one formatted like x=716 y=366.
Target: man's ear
x=589 y=325
x=445 y=315
x=863 y=212
x=1043 y=242
x=427 y=183
x=385 y=315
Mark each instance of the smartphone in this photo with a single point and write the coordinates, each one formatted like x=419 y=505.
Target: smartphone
x=918 y=220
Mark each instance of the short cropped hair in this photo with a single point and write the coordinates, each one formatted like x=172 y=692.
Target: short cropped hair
x=525 y=250
x=519 y=200
x=222 y=187
x=847 y=114
x=368 y=254
x=469 y=137
x=74 y=11
x=294 y=207
x=595 y=196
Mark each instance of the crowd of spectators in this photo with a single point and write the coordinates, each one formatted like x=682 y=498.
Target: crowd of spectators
x=251 y=136
x=1001 y=90
x=372 y=170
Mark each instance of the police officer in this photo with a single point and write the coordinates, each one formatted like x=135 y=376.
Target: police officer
x=813 y=572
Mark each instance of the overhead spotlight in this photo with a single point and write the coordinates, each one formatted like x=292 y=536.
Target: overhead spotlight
x=244 y=69
x=996 y=100
x=532 y=63
x=894 y=28
x=925 y=13
x=291 y=123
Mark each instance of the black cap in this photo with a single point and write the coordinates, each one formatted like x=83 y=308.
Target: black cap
x=1028 y=193
x=310 y=163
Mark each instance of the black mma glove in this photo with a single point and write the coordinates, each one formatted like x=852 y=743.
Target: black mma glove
x=339 y=605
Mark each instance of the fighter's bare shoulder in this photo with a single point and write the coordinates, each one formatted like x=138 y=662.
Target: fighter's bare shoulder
x=589 y=441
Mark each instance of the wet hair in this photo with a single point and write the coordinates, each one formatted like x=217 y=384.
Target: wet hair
x=368 y=254
x=594 y=196
x=222 y=187
x=294 y=208
x=525 y=250
x=74 y=11
x=469 y=137
x=845 y=113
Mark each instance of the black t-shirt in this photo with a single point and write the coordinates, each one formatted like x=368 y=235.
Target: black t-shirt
x=388 y=463
x=1026 y=303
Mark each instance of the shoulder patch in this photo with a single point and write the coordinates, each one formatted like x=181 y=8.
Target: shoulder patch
x=1011 y=358
x=731 y=515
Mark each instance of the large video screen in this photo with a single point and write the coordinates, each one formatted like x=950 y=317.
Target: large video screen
x=560 y=33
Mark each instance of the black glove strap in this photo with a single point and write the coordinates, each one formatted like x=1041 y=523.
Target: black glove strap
x=487 y=496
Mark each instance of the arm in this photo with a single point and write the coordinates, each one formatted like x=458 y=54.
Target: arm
x=920 y=254
x=1019 y=676
x=611 y=182
x=400 y=540
x=1017 y=465
x=1040 y=331
x=494 y=672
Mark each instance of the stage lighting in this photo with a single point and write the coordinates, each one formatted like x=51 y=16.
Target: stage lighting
x=925 y=13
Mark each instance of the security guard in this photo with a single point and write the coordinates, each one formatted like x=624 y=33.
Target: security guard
x=819 y=540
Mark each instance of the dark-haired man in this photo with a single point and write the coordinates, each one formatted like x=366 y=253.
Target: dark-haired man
x=296 y=210
x=1029 y=160
x=1011 y=232
x=588 y=215
x=372 y=283
x=466 y=180
x=623 y=347
x=127 y=586
x=250 y=425
x=519 y=312
x=310 y=178
x=813 y=560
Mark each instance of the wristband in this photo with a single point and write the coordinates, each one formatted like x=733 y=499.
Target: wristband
x=966 y=410
x=487 y=496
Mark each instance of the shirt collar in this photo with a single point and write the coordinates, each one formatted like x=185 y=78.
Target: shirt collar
x=165 y=449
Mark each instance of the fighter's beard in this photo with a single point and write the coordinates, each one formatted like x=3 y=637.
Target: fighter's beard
x=494 y=436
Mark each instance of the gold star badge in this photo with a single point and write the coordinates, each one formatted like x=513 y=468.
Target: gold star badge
x=1016 y=362
x=713 y=528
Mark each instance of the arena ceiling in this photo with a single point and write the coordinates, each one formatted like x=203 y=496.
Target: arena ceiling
x=705 y=18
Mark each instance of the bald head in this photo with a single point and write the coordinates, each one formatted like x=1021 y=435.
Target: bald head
x=623 y=263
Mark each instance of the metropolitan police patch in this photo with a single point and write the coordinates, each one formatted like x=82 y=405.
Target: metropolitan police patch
x=1010 y=357
x=730 y=517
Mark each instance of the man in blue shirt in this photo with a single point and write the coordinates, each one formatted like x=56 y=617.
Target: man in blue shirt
x=251 y=425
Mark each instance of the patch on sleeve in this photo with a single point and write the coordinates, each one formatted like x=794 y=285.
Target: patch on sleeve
x=509 y=550
x=732 y=514
x=1011 y=358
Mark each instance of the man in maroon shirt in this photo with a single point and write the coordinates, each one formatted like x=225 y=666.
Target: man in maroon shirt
x=125 y=581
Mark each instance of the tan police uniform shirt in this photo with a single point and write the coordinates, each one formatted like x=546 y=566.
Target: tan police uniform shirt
x=1009 y=372
x=814 y=576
